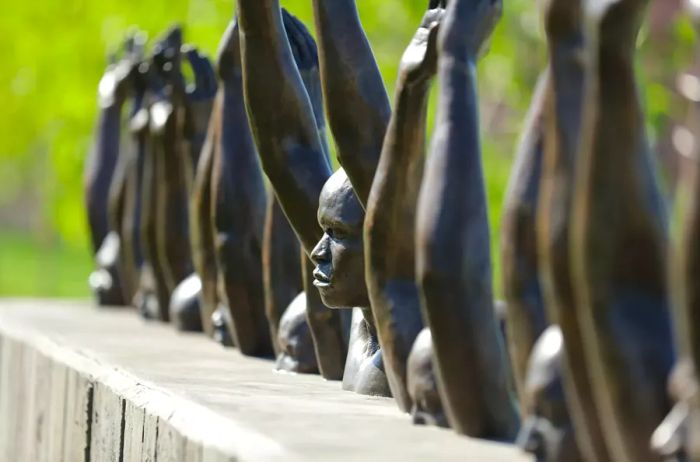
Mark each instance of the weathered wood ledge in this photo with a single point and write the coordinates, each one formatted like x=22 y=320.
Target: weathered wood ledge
x=79 y=384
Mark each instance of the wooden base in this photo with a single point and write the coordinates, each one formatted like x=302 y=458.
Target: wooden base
x=82 y=384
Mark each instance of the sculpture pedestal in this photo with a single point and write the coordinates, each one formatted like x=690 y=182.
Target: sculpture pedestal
x=79 y=384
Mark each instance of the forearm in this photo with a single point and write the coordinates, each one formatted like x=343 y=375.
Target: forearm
x=357 y=104
x=394 y=195
x=453 y=266
x=104 y=156
x=567 y=77
x=281 y=117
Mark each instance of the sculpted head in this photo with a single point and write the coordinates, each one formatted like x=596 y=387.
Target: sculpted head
x=427 y=406
x=547 y=431
x=297 y=352
x=339 y=256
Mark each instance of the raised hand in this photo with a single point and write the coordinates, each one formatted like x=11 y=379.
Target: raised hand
x=305 y=55
x=117 y=80
x=204 y=85
x=166 y=58
x=419 y=61
x=467 y=26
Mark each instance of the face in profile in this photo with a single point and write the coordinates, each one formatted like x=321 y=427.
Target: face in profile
x=547 y=432
x=339 y=255
x=427 y=407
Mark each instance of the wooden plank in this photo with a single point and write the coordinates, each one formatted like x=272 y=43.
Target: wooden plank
x=78 y=418
x=38 y=410
x=106 y=442
x=171 y=444
x=182 y=397
x=150 y=438
x=133 y=432
x=57 y=416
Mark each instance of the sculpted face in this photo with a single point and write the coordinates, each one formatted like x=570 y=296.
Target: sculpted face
x=547 y=431
x=294 y=336
x=427 y=406
x=339 y=255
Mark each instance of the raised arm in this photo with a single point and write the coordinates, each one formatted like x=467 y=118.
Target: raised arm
x=619 y=243
x=390 y=219
x=281 y=117
x=452 y=243
x=102 y=161
x=567 y=46
x=356 y=100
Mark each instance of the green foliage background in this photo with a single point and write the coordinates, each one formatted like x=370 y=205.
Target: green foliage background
x=54 y=54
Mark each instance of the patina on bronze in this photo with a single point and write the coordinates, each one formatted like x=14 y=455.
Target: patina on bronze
x=389 y=229
x=525 y=310
x=162 y=66
x=113 y=281
x=619 y=243
x=238 y=210
x=564 y=26
x=131 y=255
x=427 y=408
x=547 y=431
x=281 y=268
x=452 y=243
x=293 y=158
x=201 y=224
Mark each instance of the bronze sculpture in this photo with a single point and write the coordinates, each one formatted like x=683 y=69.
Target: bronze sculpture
x=163 y=63
x=294 y=160
x=619 y=243
x=564 y=25
x=103 y=175
x=281 y=268
x=390 y=222
x=238 y=211
x=427 y=408
x=547 y=431
x=452 y=251
x=296 y=348
x=201 y=225
x=525 y=310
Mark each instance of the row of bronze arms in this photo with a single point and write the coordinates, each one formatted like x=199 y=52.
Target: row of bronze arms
x=602 y=339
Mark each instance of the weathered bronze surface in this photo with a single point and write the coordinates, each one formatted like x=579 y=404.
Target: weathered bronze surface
x=525 y=310
x=281 y=268
x=153 y=274
x=547 y=432
x=453 y=257
x=564 y=25
x=619 y=243
x=238 y=210
x=294 y=160
x=389 y=229
x=202 y=226
x=295 y=341
x=427 y=408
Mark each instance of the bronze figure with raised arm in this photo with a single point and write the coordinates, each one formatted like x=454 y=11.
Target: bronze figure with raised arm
x=567 y=43
x=390 y=223
x=619 y=242
x=356 y=101
x=282 y=120
x=453 y=260
x=525 y=310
